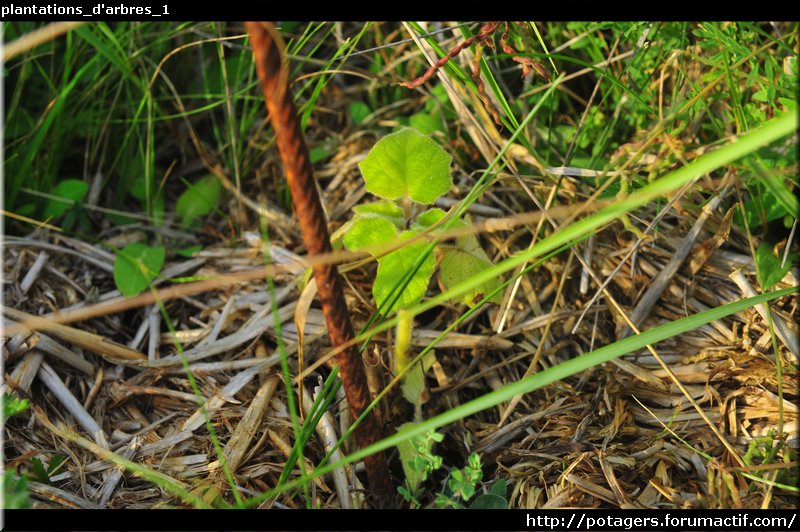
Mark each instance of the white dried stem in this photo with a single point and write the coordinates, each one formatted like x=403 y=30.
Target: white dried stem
x=327 y=432
x=26 y=370
x=782 y=330
x=110 y=485
x=50 y=379
x=33 y=273
x=245 y=431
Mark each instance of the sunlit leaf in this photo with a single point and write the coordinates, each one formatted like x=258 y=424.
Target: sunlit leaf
x=135 y=267
x=393 y=267
x=407 y=163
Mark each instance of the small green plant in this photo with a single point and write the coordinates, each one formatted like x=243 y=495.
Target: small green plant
x=65 y=200
x=15 y=491
x=494 y=500
x=418 y=462
x=42 y=472
x=462 y=484
x=770 y=266
x=136 y=265
x=199 y=199
x=13 y=405
x=15 y=488
x=416 y=454
x=409 y=170
x=763 y=450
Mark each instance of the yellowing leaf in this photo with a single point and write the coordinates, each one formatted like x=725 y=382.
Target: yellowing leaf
x=458 y=265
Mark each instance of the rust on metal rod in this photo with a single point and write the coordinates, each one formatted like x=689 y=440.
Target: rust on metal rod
x=267 y=49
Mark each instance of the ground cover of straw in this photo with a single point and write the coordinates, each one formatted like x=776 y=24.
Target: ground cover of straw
x=619 y=435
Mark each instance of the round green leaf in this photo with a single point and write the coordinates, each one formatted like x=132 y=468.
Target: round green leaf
x=394 y=266
x=71 y=190
x=199 y=199
x=135 y=267
x=407 y=163
x=368 y=232
x=499 y=488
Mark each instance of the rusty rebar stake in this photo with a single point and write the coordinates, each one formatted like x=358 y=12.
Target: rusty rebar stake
x=267 y=49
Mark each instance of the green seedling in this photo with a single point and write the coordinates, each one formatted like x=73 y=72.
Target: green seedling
x=15 y=491
x=359 y=111
x=135 y=267
x=408 y=170
x=418 y=461
x=416 y=455
x=494 y=500
x=198 y=199
x=42 y=472
x=13 y=405
x=770 y=266
x=462 y=484
x=763 y=450
x=65 y=200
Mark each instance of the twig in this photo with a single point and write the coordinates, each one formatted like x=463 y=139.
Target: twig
x=258 y=324
x=92 y=342
x=59 y=496
x=33 y=273
x=71 y=404
x=651 y=297
x=225 y=395
x=207 y=368
x=248 y=426
x=153 y=326
x=327 y=433
x=294 y=155
x=116 y=474
x=34 y=38
x=27 y=369
x=137 y=469
x=51 y=347
x=286 y=449
x=217 y=328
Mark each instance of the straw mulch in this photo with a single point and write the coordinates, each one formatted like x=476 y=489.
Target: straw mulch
x=620 y=435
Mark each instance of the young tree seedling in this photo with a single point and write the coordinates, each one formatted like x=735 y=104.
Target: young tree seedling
x=410 y=171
